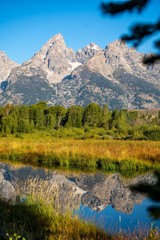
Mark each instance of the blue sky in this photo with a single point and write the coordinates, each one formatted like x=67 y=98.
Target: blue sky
x=27 y=24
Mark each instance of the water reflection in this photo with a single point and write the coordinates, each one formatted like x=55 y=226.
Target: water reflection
x=105 y=199
x=116 y=221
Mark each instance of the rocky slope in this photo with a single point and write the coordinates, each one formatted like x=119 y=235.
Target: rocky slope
x=6 y=65
x=115 y=76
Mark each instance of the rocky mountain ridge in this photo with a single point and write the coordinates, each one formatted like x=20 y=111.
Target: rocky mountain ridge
x=115 y=76
x=6 y=66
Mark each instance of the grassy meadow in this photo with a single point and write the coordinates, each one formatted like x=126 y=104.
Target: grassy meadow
x=42 y=149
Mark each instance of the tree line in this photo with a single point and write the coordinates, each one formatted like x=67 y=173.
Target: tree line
x=26 y=119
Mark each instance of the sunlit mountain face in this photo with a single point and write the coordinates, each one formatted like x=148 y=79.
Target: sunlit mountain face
x=56 y=74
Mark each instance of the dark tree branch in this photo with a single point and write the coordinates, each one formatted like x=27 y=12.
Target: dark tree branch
x=151 y=58
x=157 y=44
x=128 y=6
x=138 y=32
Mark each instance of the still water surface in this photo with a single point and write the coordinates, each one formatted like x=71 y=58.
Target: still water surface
x=101 y=198
x=115 y=221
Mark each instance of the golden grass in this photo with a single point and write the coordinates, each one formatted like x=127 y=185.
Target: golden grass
x=47 y=151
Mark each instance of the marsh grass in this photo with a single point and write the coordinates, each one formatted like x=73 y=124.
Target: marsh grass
x=115 y=155
x=36 y=218
x=39 y=189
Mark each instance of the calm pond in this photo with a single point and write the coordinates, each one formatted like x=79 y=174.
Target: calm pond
x=102 y=198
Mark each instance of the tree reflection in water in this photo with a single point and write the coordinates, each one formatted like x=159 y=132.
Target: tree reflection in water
x=153 y=192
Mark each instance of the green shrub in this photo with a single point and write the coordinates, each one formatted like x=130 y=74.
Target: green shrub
x=153 y=134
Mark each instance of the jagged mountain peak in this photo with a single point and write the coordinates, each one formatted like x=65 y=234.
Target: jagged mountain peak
x=2 y=53
x=4 y=57
x=113 y=76
x=117 y=43
x=118 y=55
x=86 y=53
x=92 y=45
x=58 y=37
x=6 y=65
x=117 y=47
x=55 y=43
x=54 y=59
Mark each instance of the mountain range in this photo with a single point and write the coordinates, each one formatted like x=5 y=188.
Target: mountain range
x=56 y=74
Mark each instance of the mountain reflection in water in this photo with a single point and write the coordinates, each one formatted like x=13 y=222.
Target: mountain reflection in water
x=105 y=199
x=115 y=221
